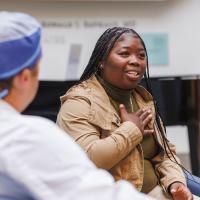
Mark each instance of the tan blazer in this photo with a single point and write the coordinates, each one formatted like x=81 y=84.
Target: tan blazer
x=88 y=116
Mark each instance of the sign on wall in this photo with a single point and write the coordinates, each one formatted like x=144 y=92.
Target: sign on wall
x=157 y=48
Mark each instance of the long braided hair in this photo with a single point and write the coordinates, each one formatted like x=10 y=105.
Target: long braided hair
x=100 y=53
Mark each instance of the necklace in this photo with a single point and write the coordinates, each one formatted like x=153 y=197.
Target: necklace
x=131 y=103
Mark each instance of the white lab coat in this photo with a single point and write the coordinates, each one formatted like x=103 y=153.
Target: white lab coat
x=39 y=161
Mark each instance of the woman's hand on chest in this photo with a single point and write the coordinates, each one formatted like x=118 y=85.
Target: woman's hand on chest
x=141 y=118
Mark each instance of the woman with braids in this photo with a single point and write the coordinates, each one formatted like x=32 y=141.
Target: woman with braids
x=116 y=121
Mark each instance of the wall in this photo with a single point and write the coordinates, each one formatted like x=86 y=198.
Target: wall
x=177 y=18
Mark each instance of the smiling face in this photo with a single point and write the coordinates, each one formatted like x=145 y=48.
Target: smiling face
x=126 y=62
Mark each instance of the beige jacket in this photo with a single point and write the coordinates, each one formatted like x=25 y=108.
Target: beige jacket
x=89 y=117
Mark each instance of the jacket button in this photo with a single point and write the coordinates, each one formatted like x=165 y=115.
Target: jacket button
x=118 y=121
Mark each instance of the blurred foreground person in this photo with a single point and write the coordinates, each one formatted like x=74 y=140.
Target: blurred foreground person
x=37 y=160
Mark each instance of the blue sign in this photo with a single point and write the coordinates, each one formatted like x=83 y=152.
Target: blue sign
x=157 y=48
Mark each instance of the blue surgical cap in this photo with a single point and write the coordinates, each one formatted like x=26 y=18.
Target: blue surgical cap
x=19 y=43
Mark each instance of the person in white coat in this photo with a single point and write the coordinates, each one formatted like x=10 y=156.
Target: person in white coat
x=37 y=160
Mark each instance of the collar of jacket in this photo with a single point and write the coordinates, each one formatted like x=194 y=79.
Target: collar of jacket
x=102 y=111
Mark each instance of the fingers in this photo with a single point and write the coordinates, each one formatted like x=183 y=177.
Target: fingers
x=139 y=112
x=123 y=112
x=122 y=109
x=145 y=116
x=148 y=132
x=182 y=193
x=132 y=117
x=140 y=118
x=147 y=120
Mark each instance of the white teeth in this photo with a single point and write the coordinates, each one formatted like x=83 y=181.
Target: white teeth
x=134 y=73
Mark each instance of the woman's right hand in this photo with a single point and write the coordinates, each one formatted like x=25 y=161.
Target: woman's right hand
x=140 y=118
